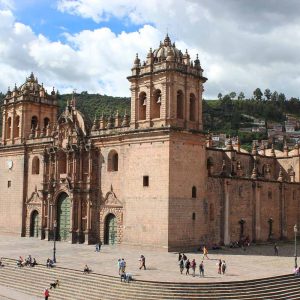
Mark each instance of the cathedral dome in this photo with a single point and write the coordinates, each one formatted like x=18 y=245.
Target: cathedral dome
x=166 y=49
x=30 y=85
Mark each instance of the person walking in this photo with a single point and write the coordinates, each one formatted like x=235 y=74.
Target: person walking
x=193 y=266
x=205 y=252
x=181 y=265
x=201 y=269
x=187 y=266
x=219 y=264
x=276 y=250
x=179 y=256
x=119 y=266
x=224 y=267
x=143 y=262
x=46 y=294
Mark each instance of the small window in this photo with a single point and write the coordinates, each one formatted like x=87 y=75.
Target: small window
x=145 y=180
x=194 y=192
x=269 y=194
x=194 y=216
x=113 y=161
x=35 y=165
x=8 y=183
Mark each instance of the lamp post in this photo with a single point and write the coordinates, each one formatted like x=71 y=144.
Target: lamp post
x=54 y=240
x=295 y=231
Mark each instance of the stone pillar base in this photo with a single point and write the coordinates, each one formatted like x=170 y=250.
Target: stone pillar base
x=89 y=238
x=47 y=234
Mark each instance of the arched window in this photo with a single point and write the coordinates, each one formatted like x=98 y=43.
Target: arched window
x=9 y=128
x=34 y=122
x=35 y=165
x=113 y=161
x=17 y=126
x=194 y=192
x=179 y=105
x=192 y=107
x=156 y=104
x=46 y=122
x=142 y=106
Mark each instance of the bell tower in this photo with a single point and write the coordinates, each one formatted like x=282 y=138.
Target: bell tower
x=166 y=89
x=27 y=112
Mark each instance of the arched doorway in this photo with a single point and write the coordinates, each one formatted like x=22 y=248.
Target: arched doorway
x=34 y=224
x=110 y=234
x=63 y=217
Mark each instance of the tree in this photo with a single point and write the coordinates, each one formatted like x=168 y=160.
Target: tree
x=257 y=94
x=232 y=95
x=274 y=96
x=268 y=94
x=241 y=96
x=220 y=96
x=281 y=97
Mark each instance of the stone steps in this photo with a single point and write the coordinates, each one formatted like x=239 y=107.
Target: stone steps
x=76 y=285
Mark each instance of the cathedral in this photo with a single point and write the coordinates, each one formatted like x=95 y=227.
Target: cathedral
x=152 y=178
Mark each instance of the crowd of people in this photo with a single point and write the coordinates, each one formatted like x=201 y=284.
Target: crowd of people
x=27 y=262
x=187 y=264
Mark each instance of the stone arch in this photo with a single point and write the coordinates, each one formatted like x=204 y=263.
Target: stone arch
x=8 y=132
x=192 y=107
x=156 y=104
x=118 y=213
x=35 y=166
x=46 y=122
x=17 y=126
x=34 y=122
x=142 y=106
x=34 y=224
x=180 y=104
x=113 y=161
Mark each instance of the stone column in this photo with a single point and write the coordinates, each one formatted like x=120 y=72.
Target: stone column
x=3 y=126
x=73 y=234
x=87 y=232
x=12 y=131
x=283 y=212
x=226 y=213
x=79 y=220
x=257 y=213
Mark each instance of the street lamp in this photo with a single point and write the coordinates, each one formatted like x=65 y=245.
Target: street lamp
x=295 y=231
x=54 y=239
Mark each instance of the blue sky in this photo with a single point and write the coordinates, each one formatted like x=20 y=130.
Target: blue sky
x=90 y=45
x=44 y=18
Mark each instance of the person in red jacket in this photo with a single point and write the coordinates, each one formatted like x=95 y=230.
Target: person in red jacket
x=46 y=294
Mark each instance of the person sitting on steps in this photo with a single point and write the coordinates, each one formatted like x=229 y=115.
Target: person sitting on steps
x=49 y=263
x=86 y=270
x=34 y=263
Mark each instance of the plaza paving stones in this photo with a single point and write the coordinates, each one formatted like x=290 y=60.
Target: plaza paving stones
x=255 y=262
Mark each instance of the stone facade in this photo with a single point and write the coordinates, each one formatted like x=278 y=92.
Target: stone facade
x=149 y=179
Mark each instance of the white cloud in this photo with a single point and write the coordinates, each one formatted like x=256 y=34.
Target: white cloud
x=7 y=4
x=241 y=45
x=241 y=37
x=97 y=61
